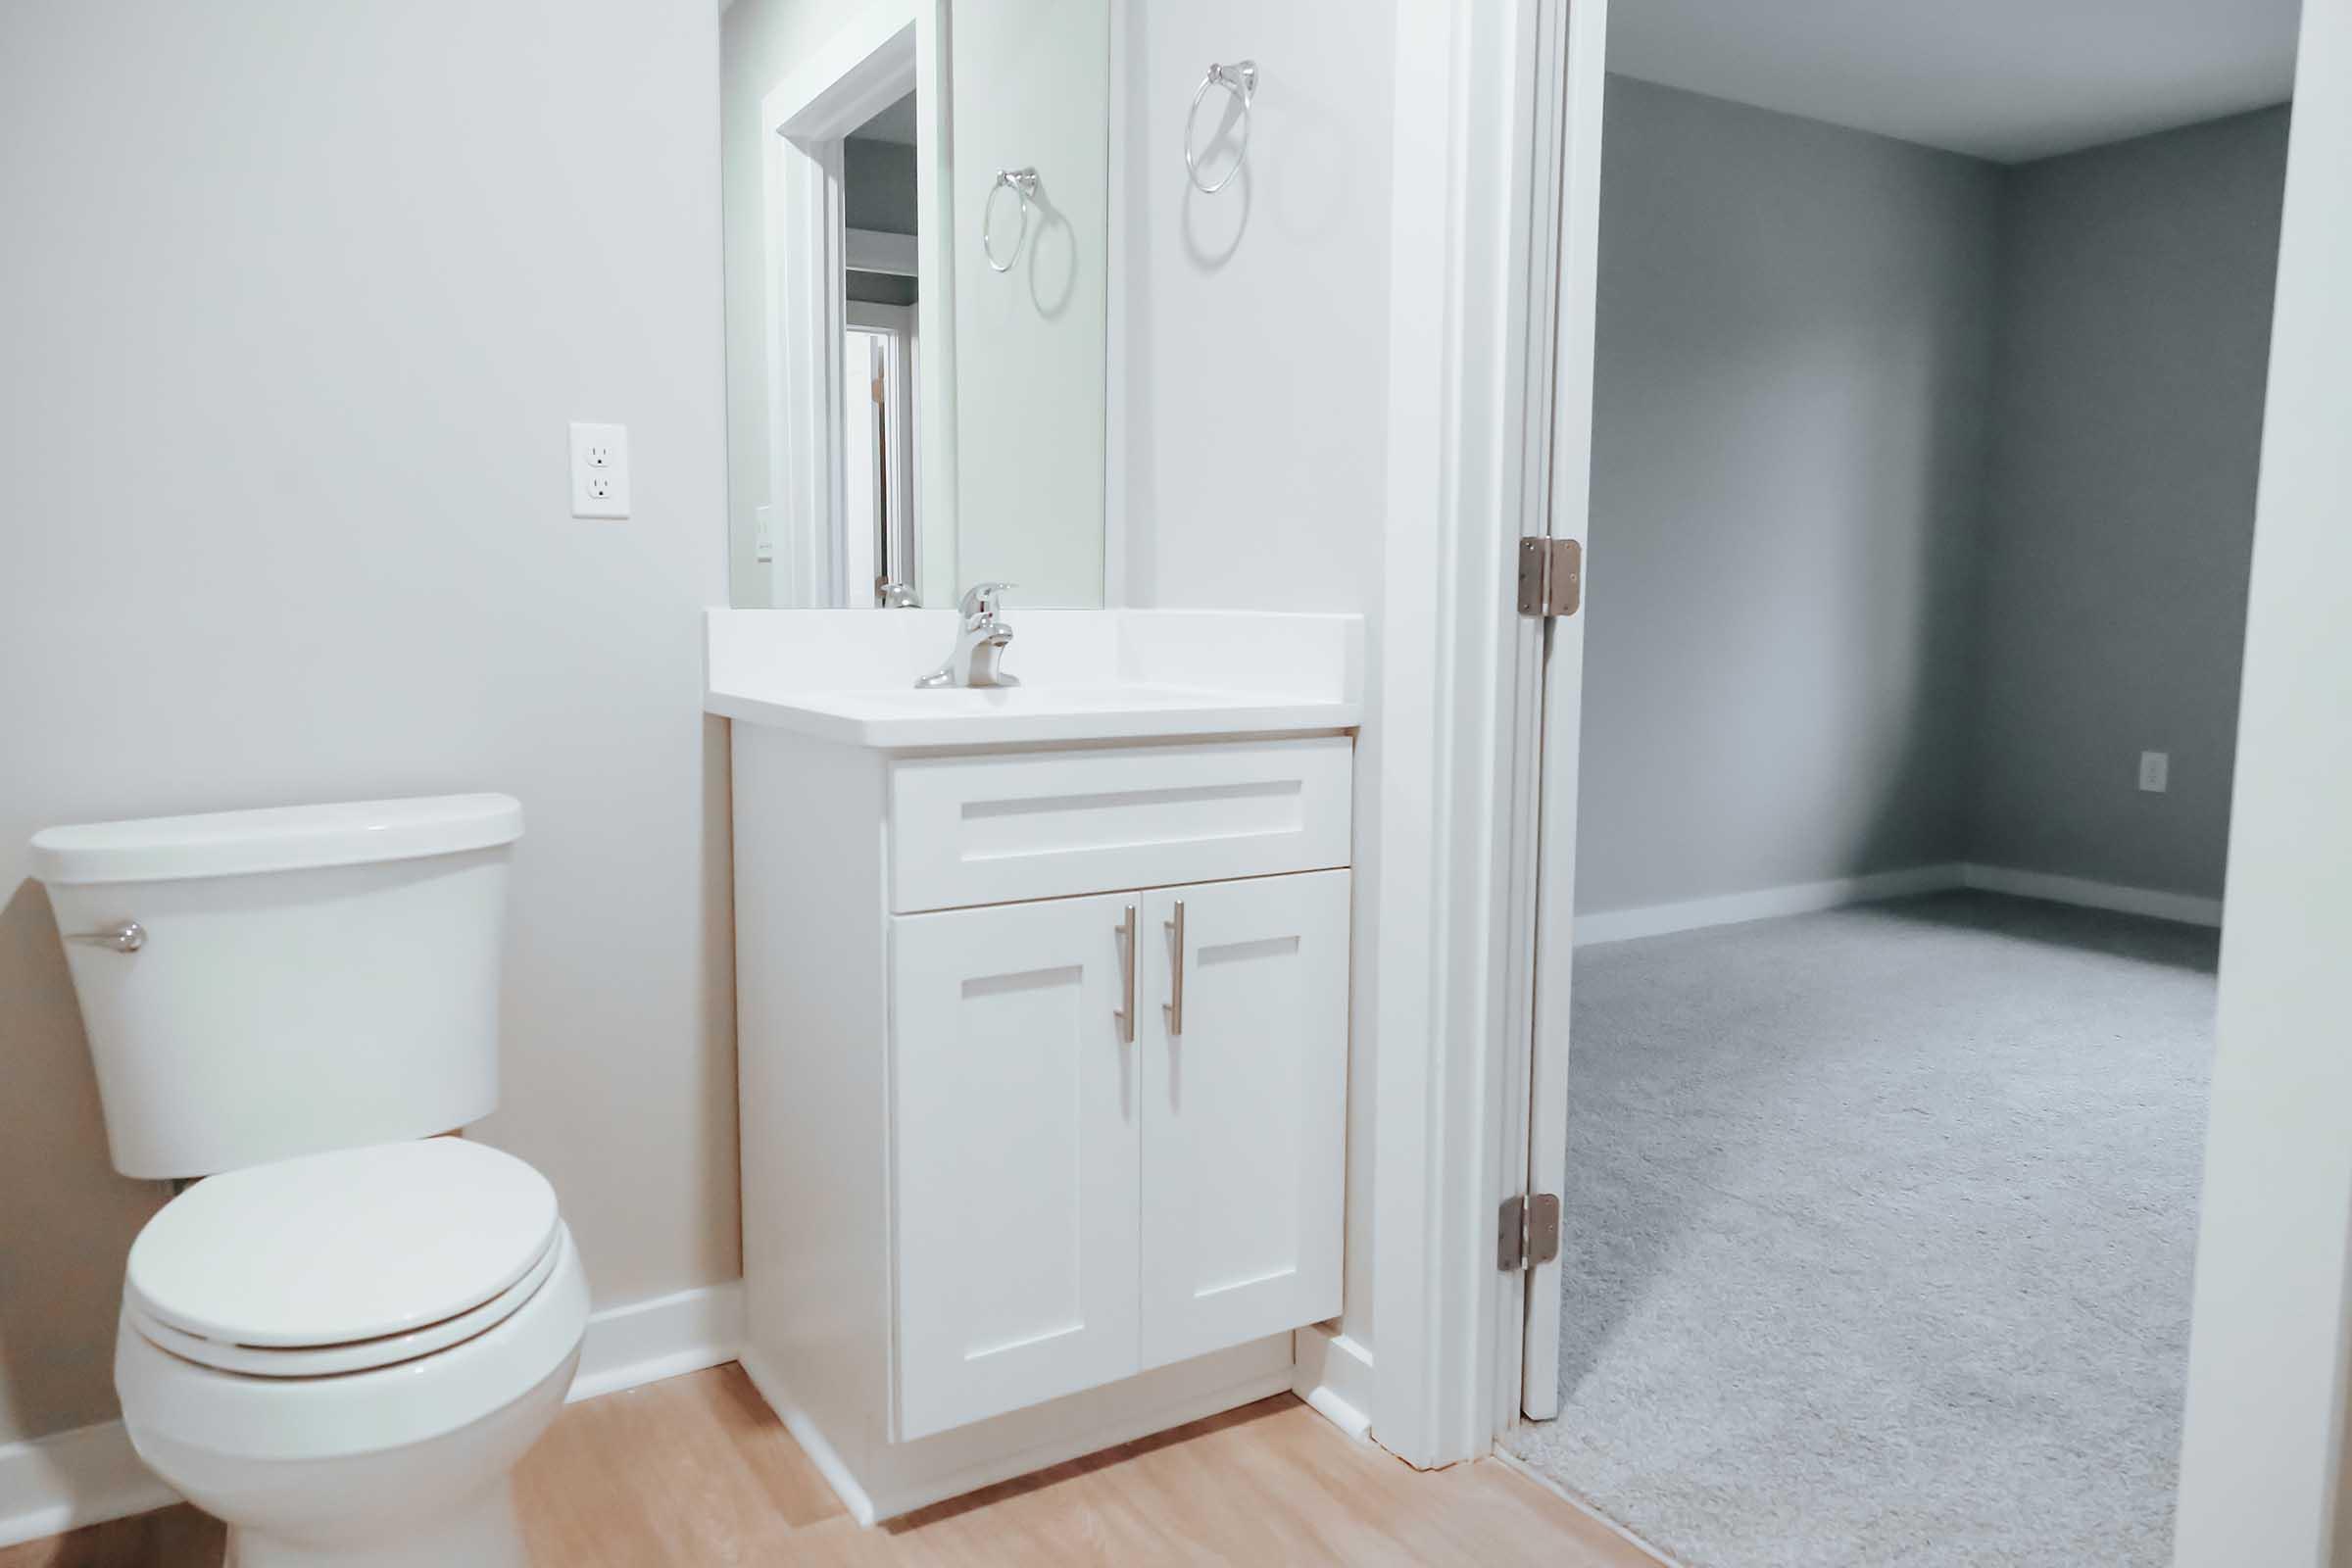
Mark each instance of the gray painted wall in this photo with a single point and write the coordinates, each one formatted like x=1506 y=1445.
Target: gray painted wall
x=1923 y=494
x=1794 y=344
x=2133 y=338
x=877 y=185
x=877 y=192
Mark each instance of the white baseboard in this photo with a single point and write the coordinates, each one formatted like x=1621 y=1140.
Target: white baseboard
x=92 y=1474
x=1763 y=904
x=1809 y=898
x=646 y=1342
x=1333 y=1374
x=55 y=1484
x=2188 y=909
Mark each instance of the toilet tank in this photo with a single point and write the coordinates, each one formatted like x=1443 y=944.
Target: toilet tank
x=300 y=979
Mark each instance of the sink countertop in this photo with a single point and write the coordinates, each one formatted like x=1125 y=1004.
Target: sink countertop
x=848 y=676
x=1025 y=714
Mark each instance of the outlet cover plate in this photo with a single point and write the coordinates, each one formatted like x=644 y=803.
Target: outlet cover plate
x=2155 y=771
x=600 y=471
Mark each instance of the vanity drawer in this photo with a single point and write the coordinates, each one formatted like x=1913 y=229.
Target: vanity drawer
x=1000 y=828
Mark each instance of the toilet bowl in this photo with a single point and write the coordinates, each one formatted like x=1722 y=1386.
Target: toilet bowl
x=344 y=1355
x=343 y=1336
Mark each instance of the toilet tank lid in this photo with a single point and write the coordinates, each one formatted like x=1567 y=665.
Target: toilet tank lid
x=284 y=838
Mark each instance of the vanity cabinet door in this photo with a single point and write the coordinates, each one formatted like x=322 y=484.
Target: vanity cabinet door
x=1245 y=1085
x=1015 y=1150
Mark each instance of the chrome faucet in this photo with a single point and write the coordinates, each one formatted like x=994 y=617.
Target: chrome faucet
x=980 y=642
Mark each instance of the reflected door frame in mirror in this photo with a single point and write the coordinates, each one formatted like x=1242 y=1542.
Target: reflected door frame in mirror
x=885 y=50
x=1066 y=465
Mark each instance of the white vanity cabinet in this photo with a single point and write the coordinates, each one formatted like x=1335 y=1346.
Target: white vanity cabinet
x=1244 y=1109
x=1111 y=1153
x=1043 y=1069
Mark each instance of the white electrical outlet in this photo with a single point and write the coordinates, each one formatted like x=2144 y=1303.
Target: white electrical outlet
x=764 y=537
x=600 y=471
x=2155 y=771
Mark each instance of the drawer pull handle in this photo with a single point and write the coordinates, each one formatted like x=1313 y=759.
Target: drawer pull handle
x=1176 y=972
x=1126 y=1016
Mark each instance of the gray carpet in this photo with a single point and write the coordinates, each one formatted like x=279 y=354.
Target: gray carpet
x=1879 y=1227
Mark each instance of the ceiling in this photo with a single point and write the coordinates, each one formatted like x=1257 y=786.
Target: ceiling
x=2004 y=79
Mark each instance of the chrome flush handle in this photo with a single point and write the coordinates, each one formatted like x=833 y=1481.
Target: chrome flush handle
x=128 y=937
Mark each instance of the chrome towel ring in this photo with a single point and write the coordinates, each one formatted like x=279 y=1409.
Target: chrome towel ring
x=1240 y=79
x=1022 y=182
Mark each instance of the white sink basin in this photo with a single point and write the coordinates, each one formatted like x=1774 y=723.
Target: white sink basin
x=1087 y=677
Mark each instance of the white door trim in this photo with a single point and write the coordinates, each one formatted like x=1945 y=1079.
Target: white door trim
x=1453 y=733
x=935 y=310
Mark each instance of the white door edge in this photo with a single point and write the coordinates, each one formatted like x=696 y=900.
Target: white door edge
x=1582 y=85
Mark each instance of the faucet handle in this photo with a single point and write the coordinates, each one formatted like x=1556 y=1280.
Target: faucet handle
x=983 y=601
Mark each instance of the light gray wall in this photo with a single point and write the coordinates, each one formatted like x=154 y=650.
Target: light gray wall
x=297 y=301
x=878 y=192
x=1256 y=381
x=877 y=185
x=1794 y=344
x=2134 y=339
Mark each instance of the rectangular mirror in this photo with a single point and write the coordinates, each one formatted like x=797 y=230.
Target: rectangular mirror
x=917 y=256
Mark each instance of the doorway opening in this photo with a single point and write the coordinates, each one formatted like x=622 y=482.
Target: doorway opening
x=1925 y=438
x=882 y=287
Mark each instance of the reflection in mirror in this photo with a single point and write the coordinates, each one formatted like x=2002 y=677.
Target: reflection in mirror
x=879 y=270
x=917 y=245
x=1031 y=90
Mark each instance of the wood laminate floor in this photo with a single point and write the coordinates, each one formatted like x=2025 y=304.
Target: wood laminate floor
x=698 y=1470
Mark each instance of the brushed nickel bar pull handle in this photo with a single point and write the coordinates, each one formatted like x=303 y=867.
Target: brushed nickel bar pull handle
x=1176 y=972
x=1126 y=1018
x=128 y=937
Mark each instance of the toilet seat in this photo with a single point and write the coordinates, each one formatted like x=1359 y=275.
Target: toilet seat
x=172 y=1403
x=356 y=1356
x=345 y=1260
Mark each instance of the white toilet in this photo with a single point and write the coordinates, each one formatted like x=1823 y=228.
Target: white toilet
x=342 y=1341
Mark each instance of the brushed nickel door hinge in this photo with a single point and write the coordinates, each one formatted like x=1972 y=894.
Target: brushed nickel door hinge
x=1551 y=576
x=1527 y=1231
